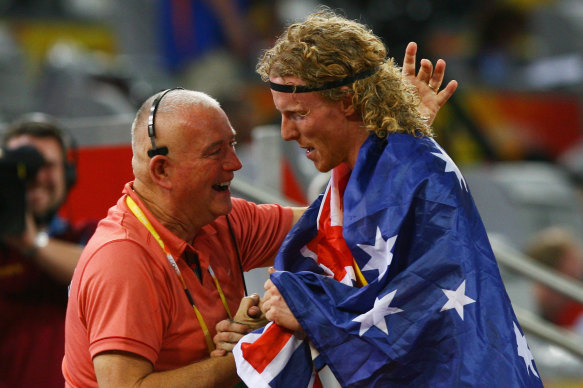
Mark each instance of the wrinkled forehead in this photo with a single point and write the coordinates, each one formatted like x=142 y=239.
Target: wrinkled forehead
x=200 y=126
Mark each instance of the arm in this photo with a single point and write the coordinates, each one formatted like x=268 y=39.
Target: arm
x=57 y=258
x=297 y=212
x=428 y=81
x=122 y=369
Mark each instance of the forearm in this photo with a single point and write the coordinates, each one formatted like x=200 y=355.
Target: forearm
x=297 y=213
x=212 y=372
x=58 y=258
x=126 y=370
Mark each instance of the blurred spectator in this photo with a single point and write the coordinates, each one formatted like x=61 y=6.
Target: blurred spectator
x=501 y=44
x=206 y=43
x=36 y=267
x=556 y=248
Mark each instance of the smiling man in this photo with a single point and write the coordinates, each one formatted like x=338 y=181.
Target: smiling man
x=165 y=265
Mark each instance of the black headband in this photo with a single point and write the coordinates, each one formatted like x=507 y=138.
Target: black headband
x=326 y=86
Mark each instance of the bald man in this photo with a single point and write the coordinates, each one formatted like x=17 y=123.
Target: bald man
x=163 y=269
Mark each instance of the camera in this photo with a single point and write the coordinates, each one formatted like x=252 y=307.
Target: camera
x=18 y=167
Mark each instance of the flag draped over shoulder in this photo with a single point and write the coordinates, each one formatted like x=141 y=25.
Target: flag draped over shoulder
x=414 y=296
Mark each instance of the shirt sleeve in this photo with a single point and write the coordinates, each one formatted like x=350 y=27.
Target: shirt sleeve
x=260 y=230
x=115 y=318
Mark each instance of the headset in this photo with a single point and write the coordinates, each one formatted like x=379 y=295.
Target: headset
x=42 y=125
x=151 y=125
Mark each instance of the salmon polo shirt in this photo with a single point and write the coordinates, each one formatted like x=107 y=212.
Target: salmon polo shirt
x=126 y=296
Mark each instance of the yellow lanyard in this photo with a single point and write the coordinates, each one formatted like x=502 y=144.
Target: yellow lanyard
x=359 y=276
x=144 y=220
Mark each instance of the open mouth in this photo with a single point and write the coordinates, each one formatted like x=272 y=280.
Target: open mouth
x=308 y=150
x=224 y=186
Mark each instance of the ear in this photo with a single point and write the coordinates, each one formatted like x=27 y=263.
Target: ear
x=347 y=105
x=159 y=171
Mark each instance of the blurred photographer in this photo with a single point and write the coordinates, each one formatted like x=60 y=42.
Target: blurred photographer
x=37 y=263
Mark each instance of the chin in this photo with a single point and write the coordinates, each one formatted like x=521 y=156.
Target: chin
x=225 y=208
x=323 y=167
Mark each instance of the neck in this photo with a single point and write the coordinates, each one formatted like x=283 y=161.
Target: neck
x=158 y=205
x=360 y=136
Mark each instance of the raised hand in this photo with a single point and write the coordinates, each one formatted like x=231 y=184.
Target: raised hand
x=428 y=82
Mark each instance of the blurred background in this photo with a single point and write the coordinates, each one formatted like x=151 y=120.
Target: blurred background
x=514 y=126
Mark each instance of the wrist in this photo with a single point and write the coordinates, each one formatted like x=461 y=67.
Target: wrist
x=40 y=241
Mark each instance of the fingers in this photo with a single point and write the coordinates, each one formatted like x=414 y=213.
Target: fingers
x=218 y=353
x=254 y=312
x=248 y=302
x=428 y=75
x=227 y=325
x=227 y=337
x=226 y=341
x=410 y=59
x=228 y=334
x=425 y=71
x=437 y=77
x=447 y=92
x=268 y=284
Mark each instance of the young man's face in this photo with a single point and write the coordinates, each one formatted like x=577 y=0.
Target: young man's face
x=321 y=127
x=48 y=191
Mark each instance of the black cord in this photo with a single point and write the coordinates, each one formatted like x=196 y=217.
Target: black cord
x=238 y=254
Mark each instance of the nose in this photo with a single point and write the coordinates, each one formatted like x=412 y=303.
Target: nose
x=232 y=162
x=288 y=129
x=43 y=175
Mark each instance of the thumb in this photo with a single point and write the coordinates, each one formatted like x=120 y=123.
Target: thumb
x=246 y=303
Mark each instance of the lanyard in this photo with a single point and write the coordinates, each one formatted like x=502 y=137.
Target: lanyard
x=144 y=220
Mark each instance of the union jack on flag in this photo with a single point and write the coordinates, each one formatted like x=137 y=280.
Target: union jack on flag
x=391 y=275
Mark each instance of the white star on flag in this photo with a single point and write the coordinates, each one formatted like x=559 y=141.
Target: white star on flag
x=376 y=316
x=450 y=165
x=524 y=351
x=457 y=299
x=380 y=253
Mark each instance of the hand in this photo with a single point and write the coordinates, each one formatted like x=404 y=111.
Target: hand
x=228 y=334
x=276 y=309
x=428 y=81
x=249 y=313
x=24 y=243
x=247 y=319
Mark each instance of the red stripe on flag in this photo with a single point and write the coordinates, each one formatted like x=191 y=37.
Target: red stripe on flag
x=270 y=342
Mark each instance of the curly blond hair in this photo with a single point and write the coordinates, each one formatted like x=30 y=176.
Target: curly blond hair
x=327 y=47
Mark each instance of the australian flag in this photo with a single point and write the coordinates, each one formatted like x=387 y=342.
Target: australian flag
x=407 y=294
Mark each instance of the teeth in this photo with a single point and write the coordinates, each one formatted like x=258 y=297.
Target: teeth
x=222 y=186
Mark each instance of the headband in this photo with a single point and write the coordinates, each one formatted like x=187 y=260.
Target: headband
x=328 y=85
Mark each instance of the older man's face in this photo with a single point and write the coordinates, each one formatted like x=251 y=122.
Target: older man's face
x=204 y=160
x=48 y=191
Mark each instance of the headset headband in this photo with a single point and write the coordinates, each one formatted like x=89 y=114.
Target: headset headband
x=151 y=125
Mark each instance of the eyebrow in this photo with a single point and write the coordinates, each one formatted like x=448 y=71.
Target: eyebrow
x=217 y=143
